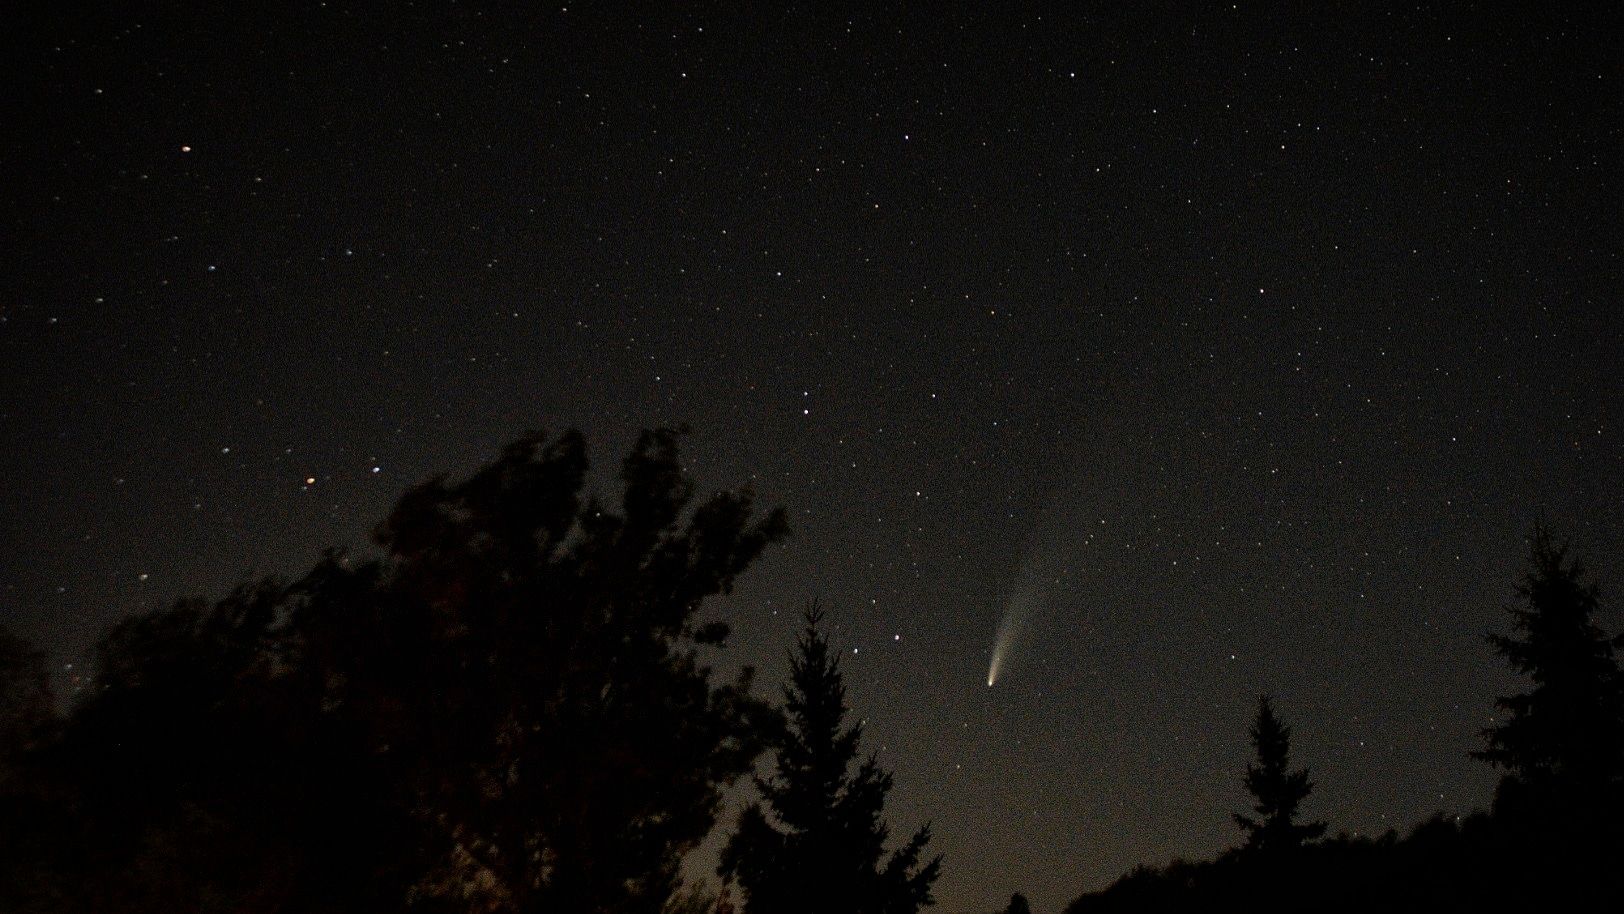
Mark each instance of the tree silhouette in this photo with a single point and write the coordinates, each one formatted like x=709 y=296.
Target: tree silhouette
x=1276 y=790
x=1018 y=905
x=506 y=712
x=820 y=850
x=1552 y=842
x=27 y=705
x=198 y=772
x=540 y=689
x=28 y=837
x=1562 y=743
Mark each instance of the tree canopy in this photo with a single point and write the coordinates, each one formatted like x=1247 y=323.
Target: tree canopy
x=1561 y=744
x=508 y=710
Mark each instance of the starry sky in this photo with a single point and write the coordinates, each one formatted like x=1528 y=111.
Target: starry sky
x=1233 y=348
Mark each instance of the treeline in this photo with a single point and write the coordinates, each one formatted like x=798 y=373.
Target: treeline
x=508 y=710
x=1553 y=839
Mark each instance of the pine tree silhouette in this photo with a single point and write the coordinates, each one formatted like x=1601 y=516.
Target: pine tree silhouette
x=820 y=849
x=1018 y=905
x=1276 y=790
x=1562 y=743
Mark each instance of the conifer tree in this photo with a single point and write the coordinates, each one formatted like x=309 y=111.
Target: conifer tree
x=1562 y=743
x=818 y=846
x=1276 y=790
x=1018 y=905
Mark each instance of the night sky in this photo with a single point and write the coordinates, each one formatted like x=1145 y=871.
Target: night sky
x=1226 y=349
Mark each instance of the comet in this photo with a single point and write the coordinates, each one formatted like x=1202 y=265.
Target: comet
x=1011 y=630
x=1045 y=575
x=992 y=671
x=1061 y=535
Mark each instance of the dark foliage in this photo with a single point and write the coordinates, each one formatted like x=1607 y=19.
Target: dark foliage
x=542 y=690
x=819 y=845
x=1276 y=790
x=1018 y=905
x=1561 y=744
x=200 y=775
x=1476 y=863
x=27 y=721
x=27 y=706
x=506 y=712
x=1551 y=843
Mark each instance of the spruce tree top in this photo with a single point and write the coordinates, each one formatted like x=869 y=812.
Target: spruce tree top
x=1276 y=790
